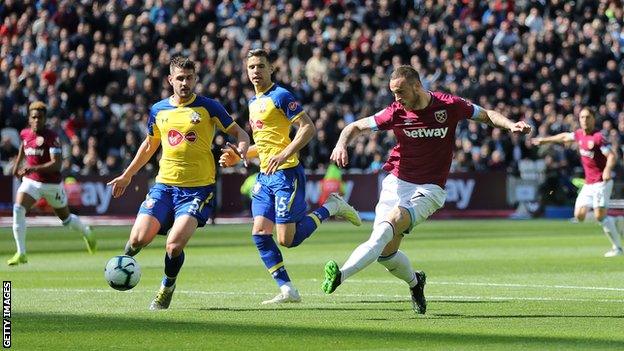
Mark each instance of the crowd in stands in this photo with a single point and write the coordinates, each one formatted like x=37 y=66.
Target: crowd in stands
x=99 y=65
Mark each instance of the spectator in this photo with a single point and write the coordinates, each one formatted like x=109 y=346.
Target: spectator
x=97 y=64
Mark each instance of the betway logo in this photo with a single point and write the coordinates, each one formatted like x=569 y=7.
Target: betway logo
x=426 y=132
x=587 y=153
x=33 y=152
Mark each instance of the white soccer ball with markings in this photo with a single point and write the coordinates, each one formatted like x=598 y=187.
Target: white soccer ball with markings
x=122 y=272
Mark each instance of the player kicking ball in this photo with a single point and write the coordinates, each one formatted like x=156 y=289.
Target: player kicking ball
x=41 y=178
x=424 y=124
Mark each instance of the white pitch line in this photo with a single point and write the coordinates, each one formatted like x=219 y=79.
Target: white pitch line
x=431 y=297
x=508 y=285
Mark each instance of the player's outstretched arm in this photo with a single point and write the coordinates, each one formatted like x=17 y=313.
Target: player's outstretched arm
x=560 y=138
x=495 y=119
x=146 y=151
x=353 y=129
x=306 y=130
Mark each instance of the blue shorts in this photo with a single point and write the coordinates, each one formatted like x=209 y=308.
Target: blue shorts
x=168 y=202
x=280 y=196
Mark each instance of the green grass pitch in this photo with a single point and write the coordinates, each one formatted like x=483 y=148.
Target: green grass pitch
x=492 y=285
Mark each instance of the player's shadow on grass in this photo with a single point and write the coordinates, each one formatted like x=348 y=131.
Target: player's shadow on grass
x=430 y=301
x=288 y=308
x=166 y=329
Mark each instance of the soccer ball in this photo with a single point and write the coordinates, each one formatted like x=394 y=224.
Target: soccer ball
x=122 y=272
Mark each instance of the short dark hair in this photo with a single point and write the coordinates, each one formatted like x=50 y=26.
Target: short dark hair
x=38 y=106
x=407 y=72
x=182 y=62
x=591 y=111
x=257 y=53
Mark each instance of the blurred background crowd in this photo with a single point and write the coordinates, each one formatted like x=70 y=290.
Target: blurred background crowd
x=99 y=65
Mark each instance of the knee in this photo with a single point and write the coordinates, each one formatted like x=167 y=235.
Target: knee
x=579 y=214
x=285 y=238
x=139 y=239
x=284 y=241
x=174 y=249
x=261 y=231
x=137 y=242
x=400 y=219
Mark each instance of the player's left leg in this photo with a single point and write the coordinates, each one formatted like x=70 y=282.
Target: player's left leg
x=423 y=203
x=73 y=222
x=335 y=205
x=398 y=264
x=56 y=197
x=609 y=227
x=293 y=226
x=602 y=194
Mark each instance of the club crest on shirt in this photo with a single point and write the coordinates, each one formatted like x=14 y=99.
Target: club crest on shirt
x=292 y=105
x=440 y=116
x=39 y=141
x=590 y=144
x=195 y=117
x=174 y=137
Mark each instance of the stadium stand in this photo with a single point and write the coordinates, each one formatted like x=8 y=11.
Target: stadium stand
x=98 y=64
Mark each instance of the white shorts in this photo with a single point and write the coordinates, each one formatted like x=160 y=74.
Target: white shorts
x=595 y=195
x=53 y=193
x=421 y=200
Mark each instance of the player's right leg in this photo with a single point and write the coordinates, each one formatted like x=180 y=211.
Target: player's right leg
x=24 y=200
x=397 y=221
x=143 y=232
x=155 y=216
x=290 y=208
